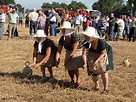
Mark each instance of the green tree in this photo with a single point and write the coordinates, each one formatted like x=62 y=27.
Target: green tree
x=20 y=7
x=63 y=5
x=46 y=5
x=131 y=5
x=56 y=5
x=5 y=2
x=76 y=5
x=108 y=6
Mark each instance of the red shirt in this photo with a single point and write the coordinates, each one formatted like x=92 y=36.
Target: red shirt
x=4 y=7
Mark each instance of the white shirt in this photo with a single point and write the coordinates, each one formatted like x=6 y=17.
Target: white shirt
x=2 y=18
x=78 y=19
x=121 y=23
x=33 y=16
x=107 y=21
x=13 y=18
x=53 y=19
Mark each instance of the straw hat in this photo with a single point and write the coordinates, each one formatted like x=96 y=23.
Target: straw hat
x=91 y=32
x=40 y=33
x=66 y=25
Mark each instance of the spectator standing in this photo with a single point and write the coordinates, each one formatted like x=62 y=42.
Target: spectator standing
x=111 y=26
x=78 y=22
x=33 y=16
x=21 y=16
x=41 y=20
x=13 y=18
x=126 y=29
x=53 y=24
x=121 y=26
x=132 y=33
x=2 y=21
x=103 y=26
x=27 y=20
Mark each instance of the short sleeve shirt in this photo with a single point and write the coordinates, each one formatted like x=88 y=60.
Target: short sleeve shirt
x=47 y=43
x=102 y=45
x=74 y=39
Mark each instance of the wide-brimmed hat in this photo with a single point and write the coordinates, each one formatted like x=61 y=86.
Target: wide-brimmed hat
x=40 y=33
x=91 y=32
x=66 y=25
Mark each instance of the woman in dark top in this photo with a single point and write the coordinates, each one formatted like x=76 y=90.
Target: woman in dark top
x=97 y=48
x=44 y=54
x=72 y=44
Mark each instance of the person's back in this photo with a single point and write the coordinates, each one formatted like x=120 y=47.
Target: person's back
x=33 y=16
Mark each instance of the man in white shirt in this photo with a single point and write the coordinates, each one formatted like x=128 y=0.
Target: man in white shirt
x=78 y=22
x=121 y=26
x=2 y=21
x=33 y=17
x=13 y=18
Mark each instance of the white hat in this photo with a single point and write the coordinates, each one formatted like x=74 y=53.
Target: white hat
x=91 y=32
x=40 y=33
x=66 y=25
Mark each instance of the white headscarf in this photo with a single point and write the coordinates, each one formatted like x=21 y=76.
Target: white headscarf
x=40 y=44
x=68 y=32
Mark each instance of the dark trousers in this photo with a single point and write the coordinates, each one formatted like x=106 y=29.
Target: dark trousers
x=16 y=33
x=132 y=34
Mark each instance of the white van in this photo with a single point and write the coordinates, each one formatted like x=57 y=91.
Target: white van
x=94 y=13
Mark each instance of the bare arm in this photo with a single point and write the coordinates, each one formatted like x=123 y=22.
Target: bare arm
x=84 y=58
x=58 y=53
x=34 y=55
x=103 y=53
x=48 y=53
x=75 y=45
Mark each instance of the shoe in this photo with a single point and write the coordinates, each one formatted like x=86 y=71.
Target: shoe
x=105 y=92
x=43 y=79
x=96 y=88
x=78 y=83
x=51 y=79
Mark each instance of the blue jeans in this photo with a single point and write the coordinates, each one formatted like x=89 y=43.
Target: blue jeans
x=1 y=29
x=32 y=26
x=111 y=33
x=126 y=32
x=53 y=29
x=41 y=27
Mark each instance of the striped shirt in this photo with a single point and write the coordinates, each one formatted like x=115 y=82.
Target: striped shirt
x=103 y=23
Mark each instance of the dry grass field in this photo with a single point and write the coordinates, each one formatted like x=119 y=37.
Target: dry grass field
x=15 y=88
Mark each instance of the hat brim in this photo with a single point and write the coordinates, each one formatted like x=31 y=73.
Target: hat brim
x=89 y=35
x=43 y=36
x=60 y=28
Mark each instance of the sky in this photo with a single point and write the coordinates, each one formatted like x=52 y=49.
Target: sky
x=38 y=3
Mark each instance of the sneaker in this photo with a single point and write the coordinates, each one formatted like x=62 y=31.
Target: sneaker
x=51 y=79
x=43 y=79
